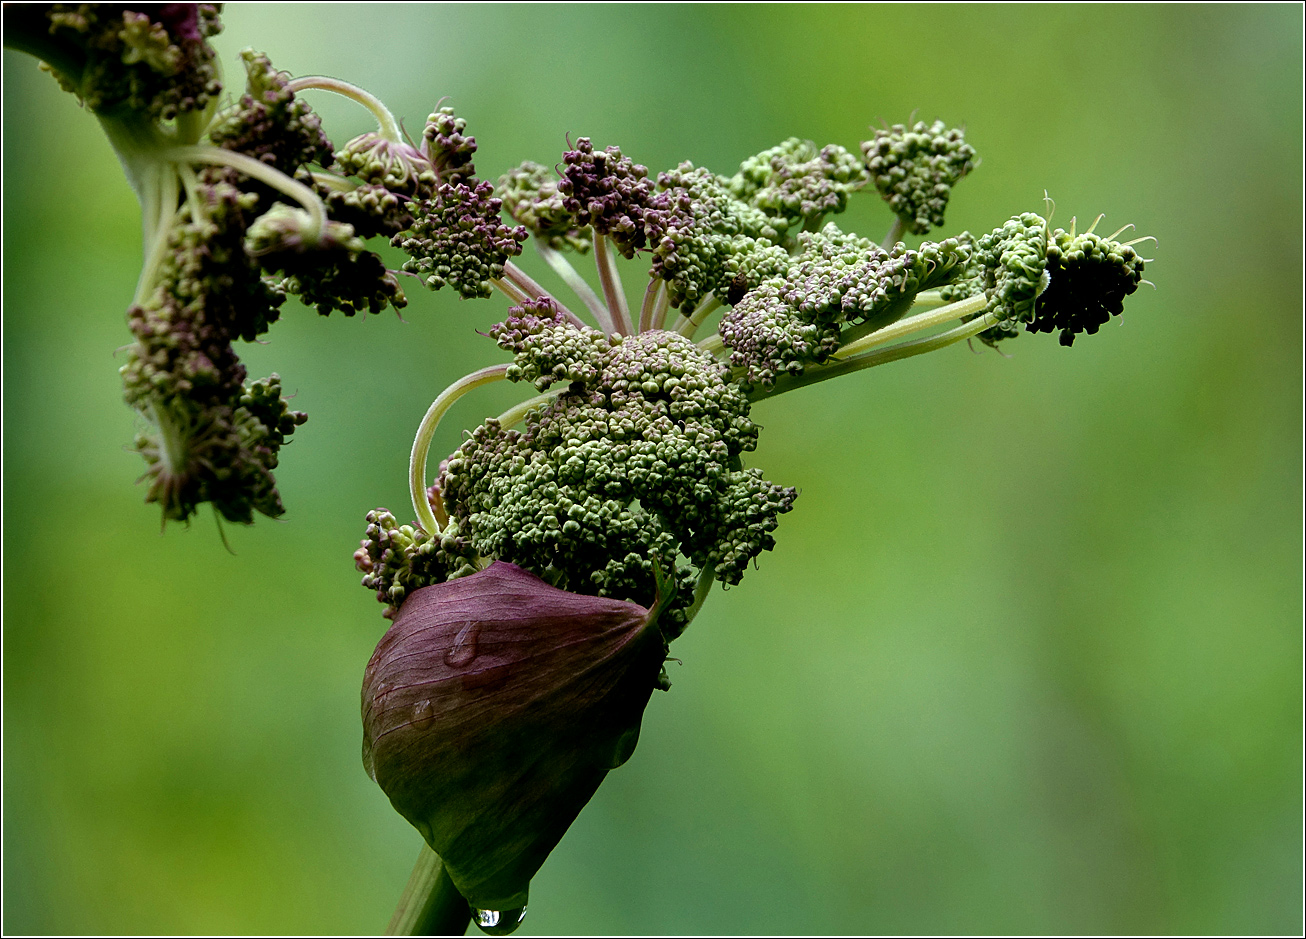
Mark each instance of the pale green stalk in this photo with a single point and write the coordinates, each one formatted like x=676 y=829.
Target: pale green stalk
x=612 y=289
x=571 y=277
x=256 y=169
x=389 y=127
x=422 y=444
x=871 y=359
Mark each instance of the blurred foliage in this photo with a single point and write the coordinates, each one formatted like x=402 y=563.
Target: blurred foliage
x=1027 y=658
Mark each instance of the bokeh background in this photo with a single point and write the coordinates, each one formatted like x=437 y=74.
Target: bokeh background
x=1027 y=658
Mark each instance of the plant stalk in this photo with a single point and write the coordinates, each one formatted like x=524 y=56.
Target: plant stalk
x=430 y=905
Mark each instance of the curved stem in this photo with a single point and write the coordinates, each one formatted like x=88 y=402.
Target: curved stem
x=903 y=350
x=388 y=125
x=430 y=905
x=263 y=173
x=706 y=578
x=571 y=277
x=422 y=442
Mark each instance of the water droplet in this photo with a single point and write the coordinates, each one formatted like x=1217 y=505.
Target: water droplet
x=463 y=649
x=496 y=923
x=423 y=715
x=367 y=758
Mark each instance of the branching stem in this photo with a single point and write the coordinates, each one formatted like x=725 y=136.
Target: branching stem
x=268 y=175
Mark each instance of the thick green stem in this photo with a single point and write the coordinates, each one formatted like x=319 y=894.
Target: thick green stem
x=713 y=345
x=389 y=127
x=688 y=325
x=914 y=324
x=430 y=905
x=426 y=517
x=903 y=350
x=571 y=277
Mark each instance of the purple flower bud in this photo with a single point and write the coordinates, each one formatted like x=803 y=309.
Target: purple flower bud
x=493 y=708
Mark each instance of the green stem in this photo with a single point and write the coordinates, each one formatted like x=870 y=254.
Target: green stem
x=527 y=284
x=571 y=277
x=688 y=325
x=655 y=285
x=515 y=414
x=903 y=350
x=914 y=324
x=611 y=281
x=422 y=443
x=706 y=578
x=268 y=175
x=510 y=290
x=430 y=905
x=896 y=231
x=159 y=232
x=713 y=345
x=389 y=127
x=660 y=307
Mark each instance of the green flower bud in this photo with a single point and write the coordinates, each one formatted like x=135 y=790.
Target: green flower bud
x=493 y=708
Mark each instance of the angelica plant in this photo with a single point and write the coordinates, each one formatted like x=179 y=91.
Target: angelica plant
x=556 y=554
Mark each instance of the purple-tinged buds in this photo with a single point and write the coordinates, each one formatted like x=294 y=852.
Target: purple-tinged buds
x=493 y=708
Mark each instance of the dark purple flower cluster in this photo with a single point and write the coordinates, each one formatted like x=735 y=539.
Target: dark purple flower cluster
x=613 y=194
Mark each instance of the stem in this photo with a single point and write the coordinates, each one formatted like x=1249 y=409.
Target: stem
x=159 y=232
x=523 y=281
x=389 y=126
x=263 y=173
x=612 y=289
x=706 y=578
x=422 y=443
x=896 y=231
x=510 y=290
x=915 y=324
x=660 y=307
x=430 y=905
x=903 y=350
x=687 y=326
x=713 y=345
x=650 y=300
x=562 y=267
x=515 y=414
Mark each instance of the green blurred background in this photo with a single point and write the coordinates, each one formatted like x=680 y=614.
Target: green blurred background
x=1027 y=657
